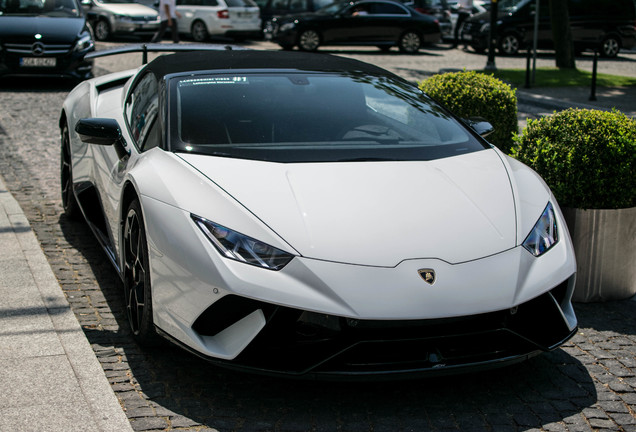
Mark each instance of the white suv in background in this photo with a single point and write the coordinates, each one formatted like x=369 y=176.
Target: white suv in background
x=111 y=17
x=237 y=19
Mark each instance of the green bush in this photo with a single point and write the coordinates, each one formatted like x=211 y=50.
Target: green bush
x=587 y=157
x=472 y=94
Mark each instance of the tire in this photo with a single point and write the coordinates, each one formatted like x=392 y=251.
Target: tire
x=101 y=29
x=199 y=31
x=509 y=44
x=610 y=47
x=410 y=42
x=309 y=40
x=137 y=289
x=69 y=203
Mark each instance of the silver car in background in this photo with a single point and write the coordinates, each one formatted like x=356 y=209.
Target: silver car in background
x=113 y=17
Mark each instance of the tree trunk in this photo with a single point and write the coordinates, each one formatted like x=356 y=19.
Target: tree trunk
x=562 y=34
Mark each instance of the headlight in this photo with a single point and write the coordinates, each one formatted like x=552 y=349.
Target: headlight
x=287 y=26
x=125 y=18
x=239 y=247
x=84 y=43
x=544 y=235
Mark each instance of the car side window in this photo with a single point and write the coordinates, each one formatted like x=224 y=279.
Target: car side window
x=297 y=5
x=142 y=109
x=319 y=4
x=279 y=4
x=386 y=9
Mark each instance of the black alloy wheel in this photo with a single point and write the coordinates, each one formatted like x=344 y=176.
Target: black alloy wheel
x=509 y=44
x=610 y=47
x=309 y=40
x=102 y=30
x=137 y=290
x=69 y=203
x=410 y=42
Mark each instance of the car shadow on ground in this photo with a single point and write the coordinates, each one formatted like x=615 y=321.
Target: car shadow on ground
x=168 y=386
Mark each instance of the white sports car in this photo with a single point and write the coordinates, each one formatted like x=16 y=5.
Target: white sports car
x=310 y=215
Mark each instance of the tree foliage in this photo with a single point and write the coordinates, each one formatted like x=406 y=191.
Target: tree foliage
x=587 y=157
x=472 y=94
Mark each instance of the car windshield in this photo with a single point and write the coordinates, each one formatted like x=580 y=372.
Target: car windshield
x=510 y=5
x=49 y=8
x=312 y=117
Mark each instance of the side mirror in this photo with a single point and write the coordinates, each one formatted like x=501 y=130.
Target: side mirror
x=102 y=131
x=480 y=125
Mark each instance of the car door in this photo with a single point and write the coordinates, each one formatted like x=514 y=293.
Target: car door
x=387 y=21
x=367 y=22
x=187 y=9
x=141 y=130
x=349 y=25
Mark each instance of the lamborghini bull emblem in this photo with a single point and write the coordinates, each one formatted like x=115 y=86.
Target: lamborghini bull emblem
x=428 y=275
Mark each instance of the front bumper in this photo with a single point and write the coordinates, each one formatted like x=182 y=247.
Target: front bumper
x=308 y=344
x=318 y=318
x=67 y=63
x=136 y=26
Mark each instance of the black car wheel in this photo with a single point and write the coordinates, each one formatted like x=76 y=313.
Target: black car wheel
x=410 y=42
x=509 y=44
x=309 y=40
x=610 y=47
x=137 y=288
x=199 y=31
x=69 y=203
x=102 y=29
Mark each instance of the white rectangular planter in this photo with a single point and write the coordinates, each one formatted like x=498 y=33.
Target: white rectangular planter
x=605 y=247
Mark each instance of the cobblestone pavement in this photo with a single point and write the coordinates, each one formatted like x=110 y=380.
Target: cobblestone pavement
x=589 y=384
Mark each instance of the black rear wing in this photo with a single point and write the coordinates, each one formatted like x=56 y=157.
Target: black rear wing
x=158 y=47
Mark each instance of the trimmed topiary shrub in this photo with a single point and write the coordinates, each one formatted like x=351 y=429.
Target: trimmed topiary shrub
x=472 y=94
x=587 y=157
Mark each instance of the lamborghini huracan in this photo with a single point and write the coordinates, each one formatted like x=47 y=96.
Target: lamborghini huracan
x=309 y=215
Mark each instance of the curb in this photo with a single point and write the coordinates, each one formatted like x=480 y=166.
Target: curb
x=69 y=358
x=527 y=98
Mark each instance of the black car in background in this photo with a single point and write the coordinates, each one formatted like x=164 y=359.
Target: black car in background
x=274 y=8
x=606 y=25
x=380 y=23
x=439 y=9
x=44 y=37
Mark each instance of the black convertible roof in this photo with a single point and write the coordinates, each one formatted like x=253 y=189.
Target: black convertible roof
x=199 y=61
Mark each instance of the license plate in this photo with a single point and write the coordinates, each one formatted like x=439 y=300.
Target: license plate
x=467 y=37
x=38 y=62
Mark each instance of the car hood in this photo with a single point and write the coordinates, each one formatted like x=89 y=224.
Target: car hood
x=130 y=9
x=377 y=213
x=22 y=29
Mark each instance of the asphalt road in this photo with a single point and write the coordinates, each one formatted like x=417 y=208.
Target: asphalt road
x=589 y=384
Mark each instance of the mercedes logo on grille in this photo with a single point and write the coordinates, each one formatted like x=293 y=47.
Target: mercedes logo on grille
x=37 y=48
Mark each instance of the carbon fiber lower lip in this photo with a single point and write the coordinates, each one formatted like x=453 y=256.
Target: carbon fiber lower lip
x=296 y=343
